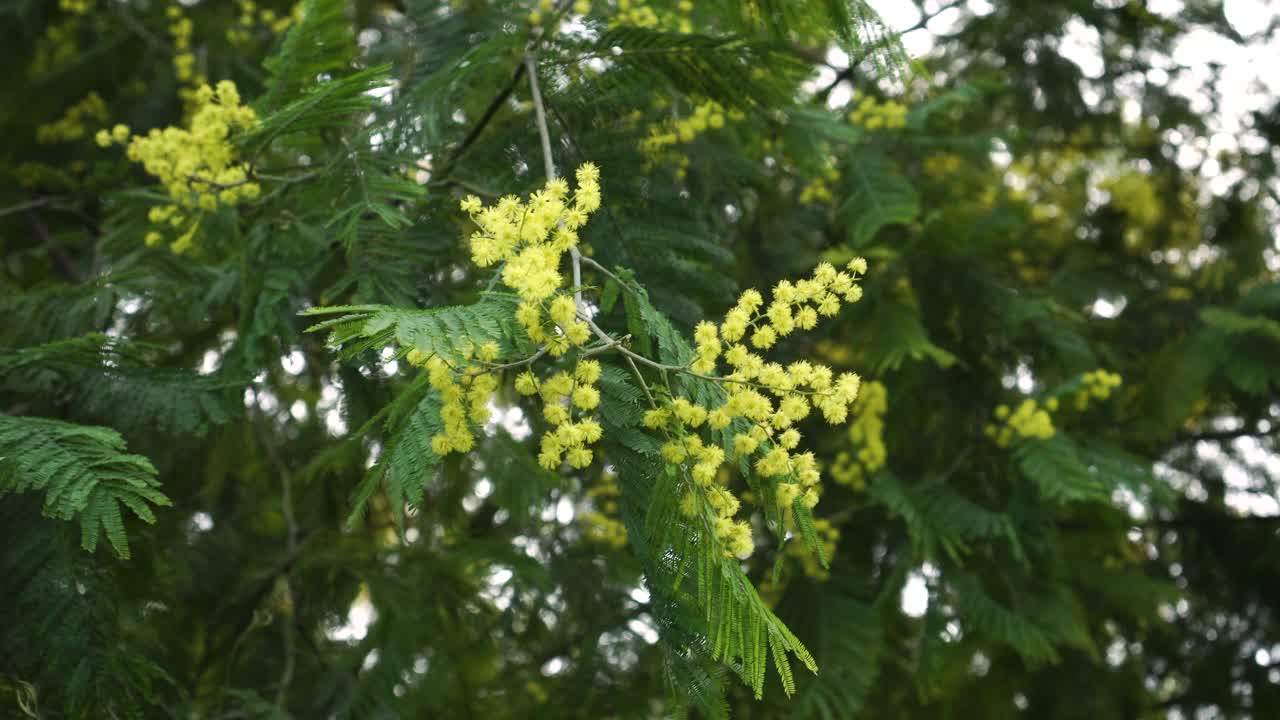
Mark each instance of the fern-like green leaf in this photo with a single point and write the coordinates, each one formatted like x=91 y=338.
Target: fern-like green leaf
x=878 y=196
x=984 y=614
x=848 y=639
x=450 y=332
x=83 y=471
x=940 y=518
x=894 y=333
x=320 y=43
x=407 y=462
x=1055 y=467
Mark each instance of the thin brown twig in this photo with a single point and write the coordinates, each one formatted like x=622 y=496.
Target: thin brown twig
x=548 y=163
x=507 y=366
x=61 y=259
x=291 y=544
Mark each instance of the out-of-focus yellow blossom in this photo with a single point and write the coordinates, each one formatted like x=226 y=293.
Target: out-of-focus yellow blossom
x=1098 y=384
x=828 y=536
x=1029 y=420
x=74 y=123
x=253 y=19
x=543 y=8
x=867 y=434
x=198 y=166
x=180 y=30
x=818 y=190
x=58 y=45
x=872 y=114
x=638 y=13
x=1133 y=193
x=939 y=166
x=601 y=524
x=663 y=138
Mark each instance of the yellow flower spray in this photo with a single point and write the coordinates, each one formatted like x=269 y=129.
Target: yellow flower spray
x=199 y=167
x=761 y=402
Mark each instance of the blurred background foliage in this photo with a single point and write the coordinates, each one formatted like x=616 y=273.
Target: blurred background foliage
x=1054 y=196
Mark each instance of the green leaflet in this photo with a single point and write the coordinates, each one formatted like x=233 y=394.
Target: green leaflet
x=449 y=332
x=715 y=68
x=110 y=378
x=894 y=333
x=1055 y=467
x=878 y=196
x=938 y=518
x=680 y=554
x=407 y=463
x=321 y=43
x=848 y=639
x=83 y=471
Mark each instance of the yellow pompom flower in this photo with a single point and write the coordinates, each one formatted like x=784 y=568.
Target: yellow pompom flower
x=1028 y=420
x=586 y=397
x=526 y=383
x=198 y=165
x=587 y=371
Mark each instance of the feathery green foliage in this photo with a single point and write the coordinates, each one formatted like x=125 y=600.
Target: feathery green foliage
x=1007 y=523
x=83 y=472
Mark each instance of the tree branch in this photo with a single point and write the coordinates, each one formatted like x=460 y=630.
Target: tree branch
x=485 y=118
x=61 y=260
x=548 y=163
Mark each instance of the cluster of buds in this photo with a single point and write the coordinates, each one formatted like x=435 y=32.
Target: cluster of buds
x=1029 y=420
x=866 y=432
x=198 y=166
x=567 y=398
x=1099 y=385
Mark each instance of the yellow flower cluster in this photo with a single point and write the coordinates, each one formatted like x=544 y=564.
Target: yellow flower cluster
x=1097 y=384
x=198 y=167
x=1030 y=420
x=638 y=13
x=564 y=396
x=818 y=191
x=601 y=525
x=702 y=462
x=531 y=239
x=867 y=432
x=936 y=166
x=74 y=122
x=464 y=396
x=709 y=115
x=1134 y=193
x=537 y=14
x=796 y=390
x=871 y=114
x=250 y=16
x=76 y=7
x=180 y=28
x=56 y=46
